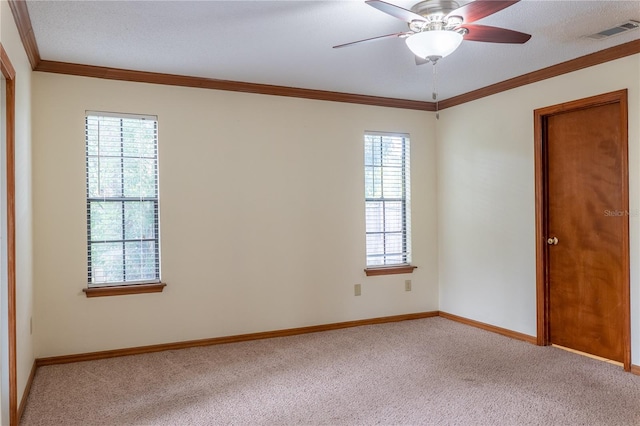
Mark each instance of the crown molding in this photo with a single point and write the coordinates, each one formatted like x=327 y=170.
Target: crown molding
x=613 y=53
x=23 y=23
x=25 y=29
x=233 y=86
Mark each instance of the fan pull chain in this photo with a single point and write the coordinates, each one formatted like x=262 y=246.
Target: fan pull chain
x=434 y=93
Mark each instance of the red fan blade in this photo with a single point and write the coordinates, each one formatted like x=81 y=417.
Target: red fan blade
x=494 y=34
x=371 y=39
x=395 y=11
x=478 y=9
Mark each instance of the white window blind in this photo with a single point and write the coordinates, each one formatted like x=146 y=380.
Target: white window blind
x=387 y=199
x=122 y=199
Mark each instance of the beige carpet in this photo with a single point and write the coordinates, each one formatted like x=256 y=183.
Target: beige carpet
x=422 y=372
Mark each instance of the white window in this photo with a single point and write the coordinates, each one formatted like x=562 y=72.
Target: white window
x=123 y=242
x=387 y=199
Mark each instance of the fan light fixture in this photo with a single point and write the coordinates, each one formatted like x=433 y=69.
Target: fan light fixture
x=434 y=44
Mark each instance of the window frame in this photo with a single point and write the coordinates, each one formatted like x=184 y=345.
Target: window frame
x=405 y=266
x=114 y=288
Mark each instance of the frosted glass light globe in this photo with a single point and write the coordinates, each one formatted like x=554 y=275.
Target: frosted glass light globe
x=434 y=44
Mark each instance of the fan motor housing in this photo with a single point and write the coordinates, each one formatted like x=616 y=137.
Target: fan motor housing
x=435 y=15
x=432 y=8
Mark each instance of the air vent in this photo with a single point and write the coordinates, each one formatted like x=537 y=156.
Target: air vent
x=619 y=29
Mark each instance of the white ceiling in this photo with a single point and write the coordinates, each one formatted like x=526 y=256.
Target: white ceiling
x=289 y=43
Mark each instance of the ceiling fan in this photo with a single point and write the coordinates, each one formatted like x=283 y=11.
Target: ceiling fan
x=437 y=27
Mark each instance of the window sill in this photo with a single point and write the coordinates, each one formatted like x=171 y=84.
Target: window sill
x=389 y=270
x=120 y=290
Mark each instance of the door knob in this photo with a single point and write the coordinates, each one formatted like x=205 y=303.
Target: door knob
x=552 y=241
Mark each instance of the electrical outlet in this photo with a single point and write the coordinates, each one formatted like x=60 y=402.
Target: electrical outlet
x=407 y=285
x=357 y=290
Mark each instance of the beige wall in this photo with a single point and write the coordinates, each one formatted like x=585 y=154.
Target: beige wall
x=486 y=199
x=262 y=210
x=262 y=215
x=24 y=264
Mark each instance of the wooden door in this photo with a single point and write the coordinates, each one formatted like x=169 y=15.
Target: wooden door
x=586 y=216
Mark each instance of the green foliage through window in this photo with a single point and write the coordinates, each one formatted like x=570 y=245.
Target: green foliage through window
x=122 y=199
x=387 y=199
